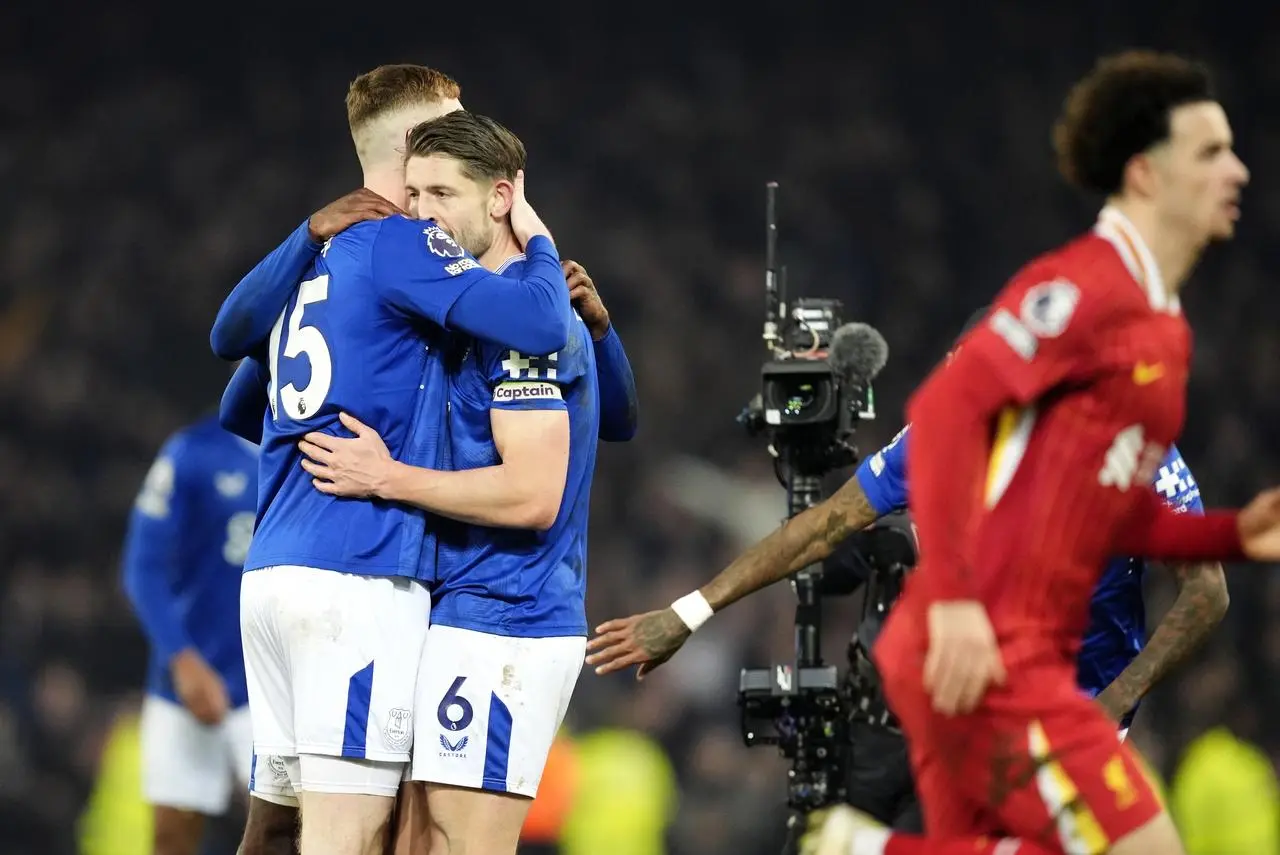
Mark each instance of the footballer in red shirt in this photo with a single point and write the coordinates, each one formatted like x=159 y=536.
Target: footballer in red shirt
x=1032 y=454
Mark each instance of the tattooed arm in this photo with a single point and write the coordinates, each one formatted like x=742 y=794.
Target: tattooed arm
x=652 y=638
x=1201 y=603
x=805 y=539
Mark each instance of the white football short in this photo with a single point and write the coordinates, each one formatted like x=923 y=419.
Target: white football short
x=489 y=707
x=279 y=779
x=331 y=660
x=273 y=779
x=189 y=765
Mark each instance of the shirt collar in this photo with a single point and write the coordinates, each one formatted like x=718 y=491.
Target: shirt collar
x=520 y=256
x=1118 y=230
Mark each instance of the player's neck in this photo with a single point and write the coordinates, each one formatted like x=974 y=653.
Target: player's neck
x=387 y=182
x=504 y=247
x=1174 y=253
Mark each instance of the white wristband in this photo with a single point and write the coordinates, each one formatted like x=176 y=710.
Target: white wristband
x=693 y=609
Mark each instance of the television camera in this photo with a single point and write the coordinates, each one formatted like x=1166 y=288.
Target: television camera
x=815 y=390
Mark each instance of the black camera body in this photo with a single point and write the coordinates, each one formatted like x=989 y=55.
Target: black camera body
x=798 y=392
x=806 y=711
x=809 y=405
x=815 y=389
x=803 y=711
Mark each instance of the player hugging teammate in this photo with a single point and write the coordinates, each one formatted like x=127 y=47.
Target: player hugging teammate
x=428 y=405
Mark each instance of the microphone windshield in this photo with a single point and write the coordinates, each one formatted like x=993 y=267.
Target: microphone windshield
x=858 y=353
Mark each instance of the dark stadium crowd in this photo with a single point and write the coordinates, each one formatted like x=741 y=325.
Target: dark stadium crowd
x=144 y=178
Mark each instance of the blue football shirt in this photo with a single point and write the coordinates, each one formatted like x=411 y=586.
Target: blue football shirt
x=188 y=535
x=362 y=334
x=508 y=581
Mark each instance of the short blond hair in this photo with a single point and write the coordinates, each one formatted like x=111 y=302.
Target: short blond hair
x=387 y=90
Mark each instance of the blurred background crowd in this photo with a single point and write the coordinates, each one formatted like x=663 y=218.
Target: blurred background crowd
x=148 y=162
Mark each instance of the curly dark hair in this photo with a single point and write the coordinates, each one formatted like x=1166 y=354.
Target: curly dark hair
x=1121 y=109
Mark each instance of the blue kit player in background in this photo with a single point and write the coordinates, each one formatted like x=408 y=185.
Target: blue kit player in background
x=508 y=629
x=334 y=609
x=1115 y=666
x=188 y=536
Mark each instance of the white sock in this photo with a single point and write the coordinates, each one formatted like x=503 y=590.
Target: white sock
x=870 y=841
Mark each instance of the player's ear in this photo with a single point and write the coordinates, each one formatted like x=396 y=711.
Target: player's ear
x=501 y=198
x=1141 y=173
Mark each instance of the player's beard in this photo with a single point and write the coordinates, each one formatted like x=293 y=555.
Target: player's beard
x=475 y=240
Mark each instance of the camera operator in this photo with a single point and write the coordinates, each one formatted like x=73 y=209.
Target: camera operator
x=1115 y=665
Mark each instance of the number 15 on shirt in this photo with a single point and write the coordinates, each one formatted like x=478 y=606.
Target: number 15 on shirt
x=301 y=339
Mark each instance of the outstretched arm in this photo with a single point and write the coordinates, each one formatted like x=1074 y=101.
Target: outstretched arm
x=805 y=539
x=652 y=638
x=877 y=488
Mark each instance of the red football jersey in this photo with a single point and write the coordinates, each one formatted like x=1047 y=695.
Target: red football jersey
x=1093 y=356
